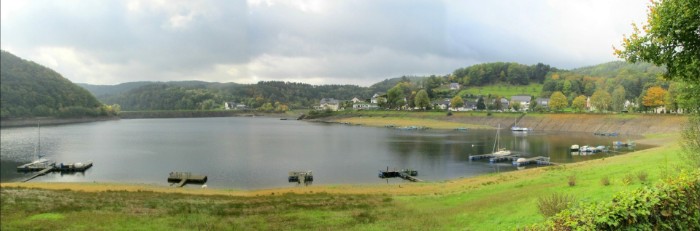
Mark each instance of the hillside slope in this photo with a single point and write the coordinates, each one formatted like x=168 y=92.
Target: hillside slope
x=29 y=89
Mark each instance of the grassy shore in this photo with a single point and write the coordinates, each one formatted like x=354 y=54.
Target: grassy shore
x=491 y=202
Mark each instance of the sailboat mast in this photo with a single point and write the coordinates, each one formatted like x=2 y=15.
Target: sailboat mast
x=38 y=148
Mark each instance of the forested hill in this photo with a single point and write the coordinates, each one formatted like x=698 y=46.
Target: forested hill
x=29 y=89
x=618 y=68
x=197 y=95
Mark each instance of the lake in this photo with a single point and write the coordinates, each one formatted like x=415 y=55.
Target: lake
x=255 y=153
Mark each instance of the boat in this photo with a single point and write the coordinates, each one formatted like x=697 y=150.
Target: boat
x=519 y=129
x=516 y=128
x=574 y=148
x=39 y=161
x=497 y=150
x=586 y=149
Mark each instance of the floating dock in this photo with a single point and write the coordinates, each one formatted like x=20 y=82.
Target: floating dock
x=406 y=174
x=495 y=158
x=182 y=178
x=301 y=177
x=539 y=160
x=42 y=168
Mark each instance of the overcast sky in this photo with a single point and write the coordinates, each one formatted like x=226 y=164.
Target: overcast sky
x=313 y=41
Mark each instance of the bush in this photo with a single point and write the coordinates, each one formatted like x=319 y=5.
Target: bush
x=628 y=179
x=605 y=181
x=553 y=204
x=673 y=204
x=642 y=176
x=572 y=180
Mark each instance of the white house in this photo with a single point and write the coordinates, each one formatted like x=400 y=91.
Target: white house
x=376 y=96
x=329 y=103
x=454 y=86
x=364 y=106
x=524 y=101
x=544 y=102
x=355 y=100
x=234 y=106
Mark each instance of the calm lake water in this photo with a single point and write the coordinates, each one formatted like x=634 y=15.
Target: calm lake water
x=254 y=153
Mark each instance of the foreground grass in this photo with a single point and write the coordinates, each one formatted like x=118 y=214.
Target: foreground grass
x=493 y=202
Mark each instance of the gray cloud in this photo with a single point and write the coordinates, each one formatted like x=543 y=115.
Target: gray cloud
x=358 y=42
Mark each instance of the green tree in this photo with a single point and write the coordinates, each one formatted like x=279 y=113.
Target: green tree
x=480 y=104
x=266 y=107
x=456 y=102
x=618 y=98
x=422 y=100
x=395 y=97
x=516 y=105
x=567 y=87
x=601 y=100
x=558 y=101
x=579 y=103
x=670 y=38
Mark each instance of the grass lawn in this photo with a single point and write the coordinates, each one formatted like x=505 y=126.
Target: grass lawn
x=504 y=90
x=492 y=202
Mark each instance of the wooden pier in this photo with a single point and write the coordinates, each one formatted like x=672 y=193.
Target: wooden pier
x=42 y=168
x=539 y=160
x=406 y=174
x=495 y=158
x=302 y=177
x=182 y=178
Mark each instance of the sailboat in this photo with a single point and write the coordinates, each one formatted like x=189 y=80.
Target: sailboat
x=515 y=128
x=496 y=144
x=39 y=161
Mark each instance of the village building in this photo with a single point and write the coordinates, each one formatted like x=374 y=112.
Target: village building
x=524 y=101
x=234 y=106
x=376 y=96
x=329 y=104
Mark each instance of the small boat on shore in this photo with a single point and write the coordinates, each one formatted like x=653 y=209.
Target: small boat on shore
x=574 y=148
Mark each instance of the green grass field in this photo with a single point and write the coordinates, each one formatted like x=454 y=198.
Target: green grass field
x=503 y=90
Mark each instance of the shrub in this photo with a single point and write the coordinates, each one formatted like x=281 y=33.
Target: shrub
x=572 y=180
x=673 y=204
x=627 y=179
x=553 y=204
x=642 y=176
x=605 y=181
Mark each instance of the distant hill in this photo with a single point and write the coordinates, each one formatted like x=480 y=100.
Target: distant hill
x=29 y=89
x=616 y=68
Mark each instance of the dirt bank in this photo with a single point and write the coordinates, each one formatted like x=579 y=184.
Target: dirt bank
x=639 y=124
x=27 y=122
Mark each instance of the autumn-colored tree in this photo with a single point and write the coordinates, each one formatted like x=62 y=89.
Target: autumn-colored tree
x=654 y=97
x=558 y=101
x=601 y=100
x=579 y=103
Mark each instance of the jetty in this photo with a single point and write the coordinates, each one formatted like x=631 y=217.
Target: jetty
x=493 y=158
x=406 y=174
x=44 y=167
x=301 y=177
x=182 y=178
x=539 y=160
